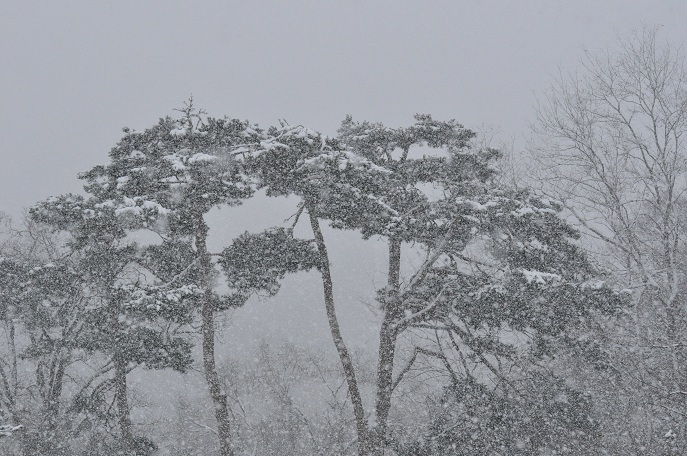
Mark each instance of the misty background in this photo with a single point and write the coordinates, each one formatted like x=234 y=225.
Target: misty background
x=73 y=73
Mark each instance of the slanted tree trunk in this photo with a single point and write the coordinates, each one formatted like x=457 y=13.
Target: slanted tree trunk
x=219 y=398
x=364 y=447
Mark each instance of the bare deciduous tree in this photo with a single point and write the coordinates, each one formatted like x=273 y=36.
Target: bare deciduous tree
x=611 y=145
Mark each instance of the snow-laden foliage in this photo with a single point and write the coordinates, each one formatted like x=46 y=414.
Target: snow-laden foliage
x=175 y=166
x=257 y=262
x=333 y=180
x=507 y=261
x=6 y=430
x=166 y=179
x=125 y=317
x=484 y=286
x=496 y=262
x=540 y=415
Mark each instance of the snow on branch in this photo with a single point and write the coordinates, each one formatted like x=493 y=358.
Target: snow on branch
x=6 y=430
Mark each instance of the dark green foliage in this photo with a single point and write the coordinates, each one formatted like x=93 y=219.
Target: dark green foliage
x=177 y=165
x=497 y=264
x=339 y=185
x=151 y=348
x=500 y=266
x=103 y=445
x=256 y=262
x=448 y=162
x=171 y=261
x=508 y=262
x=538 y=416
x=94 y=405
x=166 y=179
x=104 y=298
x=12 y=277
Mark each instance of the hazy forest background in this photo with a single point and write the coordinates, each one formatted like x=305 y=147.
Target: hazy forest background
x=430 y=289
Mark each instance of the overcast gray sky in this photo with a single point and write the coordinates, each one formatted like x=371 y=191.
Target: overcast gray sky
x=72 y=73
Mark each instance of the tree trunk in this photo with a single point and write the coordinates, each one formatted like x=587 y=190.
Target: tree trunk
x=679 y=385
x=10 y=386
x=364 y=448
x=51 y=402
x=387 y=348
x=219 y=398
x=123 y=416
x=119 y=360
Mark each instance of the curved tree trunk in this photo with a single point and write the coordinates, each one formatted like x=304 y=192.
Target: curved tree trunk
x=364 y=447
x=219 y=398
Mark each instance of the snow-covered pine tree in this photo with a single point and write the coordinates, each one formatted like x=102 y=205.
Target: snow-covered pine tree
x=497 y=262
x=124 y=301
x=177 y=171
x=45 y=306
x=188 y=167
x=330 y=180
x=370 y=179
